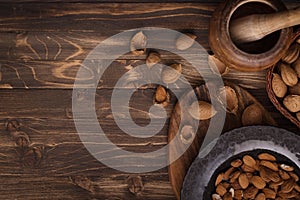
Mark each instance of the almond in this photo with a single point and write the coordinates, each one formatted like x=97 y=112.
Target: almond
x=273 y=184
x=227 y=196
x=234 y=176
x=247 y=168
x=250 y=192
x=270 y=194
x=260 y=196
x=256 y=167
x=170 y=74
x=268 y=174
x=294 y=176
x=258 y=182
x=284 y=175
x=219 y=179
x=288 y=186
x=252 y=115
x=185 y=41
x=216 y=197
x=138 y=43
x=238 y=194
x=235 y=185
x=236 y=163
x=290 y=195
x=225 y=185
x=278 y=86
x=249 y=175
x=286 y=167
x=249 y=161
x=297 y=187
x=266 y=156
x=221 y=190
x=243 y=181
x=152 y=59
x=217 y=66
x=292 y=103
x=288 y=74
x=160 y=94
x=202 y=110
x=228 y=173
x=270 y=165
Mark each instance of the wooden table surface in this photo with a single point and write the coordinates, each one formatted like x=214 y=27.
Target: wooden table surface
x=42 y=44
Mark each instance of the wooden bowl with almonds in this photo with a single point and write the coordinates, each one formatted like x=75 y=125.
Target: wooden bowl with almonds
x=283 y=82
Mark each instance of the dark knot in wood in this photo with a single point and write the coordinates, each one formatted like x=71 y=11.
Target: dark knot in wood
x=12 y=125
x=135 y=185
x=33 y=156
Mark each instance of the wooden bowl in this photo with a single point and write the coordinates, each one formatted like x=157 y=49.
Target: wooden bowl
x=253 y=56
x=276 y=101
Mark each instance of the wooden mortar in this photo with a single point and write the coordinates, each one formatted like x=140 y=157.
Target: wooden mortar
x=251 y=56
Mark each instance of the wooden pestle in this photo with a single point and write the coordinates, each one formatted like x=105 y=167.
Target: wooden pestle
x=254 y=27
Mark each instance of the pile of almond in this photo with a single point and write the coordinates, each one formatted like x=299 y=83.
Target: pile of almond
x=285 y=83
x=257 y=179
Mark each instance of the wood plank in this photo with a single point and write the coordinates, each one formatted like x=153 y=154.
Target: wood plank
x=69 y=46
x=83 y=187
x=45 y=116
x=106 y=19
x=56 y=74
x=117 y=1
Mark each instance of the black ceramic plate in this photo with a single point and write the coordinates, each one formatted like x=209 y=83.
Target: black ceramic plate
x=199 y=181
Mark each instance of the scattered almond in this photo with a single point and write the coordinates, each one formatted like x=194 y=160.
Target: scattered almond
x=252 y=115
x=202 y=110
x=185 y=41
x=152 y=59
x=138 y=43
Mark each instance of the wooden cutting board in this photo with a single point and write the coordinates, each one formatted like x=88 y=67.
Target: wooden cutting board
x=179 y=168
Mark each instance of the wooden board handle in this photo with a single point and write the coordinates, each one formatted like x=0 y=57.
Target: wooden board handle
x=255 y=27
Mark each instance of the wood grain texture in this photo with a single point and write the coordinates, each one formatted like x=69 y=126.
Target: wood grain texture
x=42 y=45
